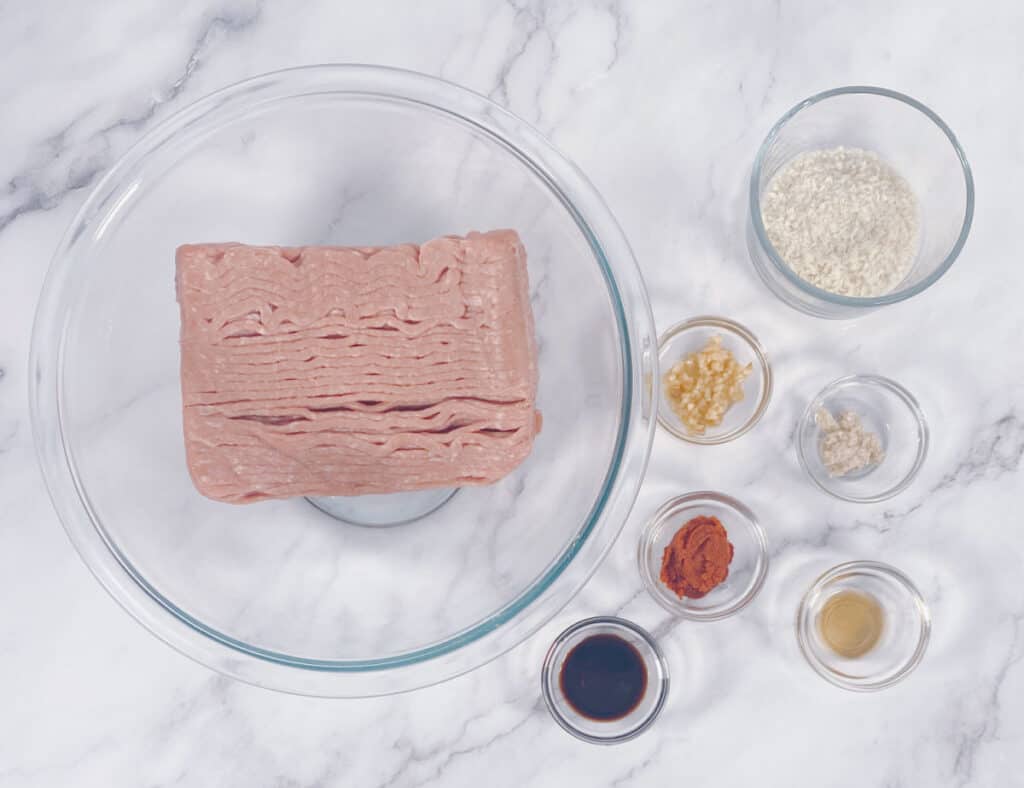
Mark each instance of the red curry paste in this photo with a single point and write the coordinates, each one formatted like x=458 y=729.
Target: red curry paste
x=697 y=559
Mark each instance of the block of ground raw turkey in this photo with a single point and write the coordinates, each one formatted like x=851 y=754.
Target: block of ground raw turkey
x=326 y=370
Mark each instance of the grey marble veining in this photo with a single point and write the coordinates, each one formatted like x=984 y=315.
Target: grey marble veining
x=663 y=105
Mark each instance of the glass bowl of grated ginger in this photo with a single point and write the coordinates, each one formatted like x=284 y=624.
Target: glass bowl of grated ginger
x=715 y=381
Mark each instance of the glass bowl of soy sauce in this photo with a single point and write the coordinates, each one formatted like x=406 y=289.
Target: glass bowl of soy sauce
x=605 y=680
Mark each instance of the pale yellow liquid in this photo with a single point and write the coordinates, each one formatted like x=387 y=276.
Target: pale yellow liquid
x=851 y=623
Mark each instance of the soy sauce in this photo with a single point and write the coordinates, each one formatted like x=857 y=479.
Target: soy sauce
x=603 y=677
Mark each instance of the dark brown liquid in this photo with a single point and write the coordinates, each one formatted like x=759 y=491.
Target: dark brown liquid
x=604 y=677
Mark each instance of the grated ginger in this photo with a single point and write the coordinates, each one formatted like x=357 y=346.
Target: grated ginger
x=845 y=445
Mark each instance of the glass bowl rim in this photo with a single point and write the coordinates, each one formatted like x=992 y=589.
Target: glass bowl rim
x=657 y=522
x=868 y=302
x=747 y=337
x=502 y=629
x=873 y=567
x=615 y=622
x=871 y=381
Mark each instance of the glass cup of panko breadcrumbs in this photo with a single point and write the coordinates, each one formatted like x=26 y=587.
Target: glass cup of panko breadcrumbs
x=715 y=380
x=860 y=197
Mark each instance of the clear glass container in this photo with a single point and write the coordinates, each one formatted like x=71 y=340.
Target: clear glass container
x=691 y=336
x=280 y=593
x=747 y=571
x=606 y=731
x=886 y=409
x=906 y=626
x=909 y=137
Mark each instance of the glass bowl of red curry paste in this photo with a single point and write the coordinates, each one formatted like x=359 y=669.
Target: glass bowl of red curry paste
x=701 y=577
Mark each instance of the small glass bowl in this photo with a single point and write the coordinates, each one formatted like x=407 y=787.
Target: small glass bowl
x=747 y=571
x=914 y=141
x=885 y=408
x=905 y=633
x=605 y=731
x=692 y=335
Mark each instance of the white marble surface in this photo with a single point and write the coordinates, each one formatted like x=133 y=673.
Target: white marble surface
x=662 y=104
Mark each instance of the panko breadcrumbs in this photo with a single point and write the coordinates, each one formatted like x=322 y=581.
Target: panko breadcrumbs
x=844 y=220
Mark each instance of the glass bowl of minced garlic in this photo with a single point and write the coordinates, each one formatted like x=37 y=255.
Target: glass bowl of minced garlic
x=862 y=439
x=715 y=380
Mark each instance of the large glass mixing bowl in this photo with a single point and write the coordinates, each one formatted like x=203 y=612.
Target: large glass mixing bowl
x=282 y=594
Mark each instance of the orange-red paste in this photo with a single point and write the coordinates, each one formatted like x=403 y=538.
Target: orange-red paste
x=697 y=559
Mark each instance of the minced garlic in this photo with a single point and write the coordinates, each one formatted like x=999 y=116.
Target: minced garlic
x=845 y=445
x=704 y=385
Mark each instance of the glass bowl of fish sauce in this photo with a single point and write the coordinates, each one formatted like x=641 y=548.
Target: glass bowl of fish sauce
x=307 y=598
x=863 y=626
